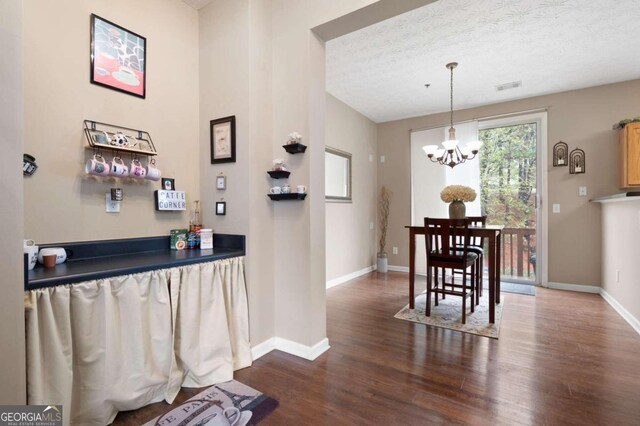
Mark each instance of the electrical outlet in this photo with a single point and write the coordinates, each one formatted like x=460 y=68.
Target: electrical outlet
x=370 y=225
x=382 y=158
x=395 y=250
x=582 y=191
x=111 y=206
x=556 y=208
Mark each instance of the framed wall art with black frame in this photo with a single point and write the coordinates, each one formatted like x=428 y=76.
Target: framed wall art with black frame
x=221 y=208
x=118 y=58
x=223 y=140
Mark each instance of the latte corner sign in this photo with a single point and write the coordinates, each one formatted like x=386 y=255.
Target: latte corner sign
x=170 y=200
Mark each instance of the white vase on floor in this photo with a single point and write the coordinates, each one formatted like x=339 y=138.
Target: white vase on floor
x=382 y=262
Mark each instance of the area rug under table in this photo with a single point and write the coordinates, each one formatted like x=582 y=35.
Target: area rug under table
x=206 y=408
x=448 y=314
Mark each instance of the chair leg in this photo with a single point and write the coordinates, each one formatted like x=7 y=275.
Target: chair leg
x=437 y=286
x=480 y=273
x=477 y=283
x=472 y=286
x=428 y=299
x=464 y=296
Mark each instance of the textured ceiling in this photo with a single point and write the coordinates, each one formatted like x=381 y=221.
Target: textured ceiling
x=549 y=45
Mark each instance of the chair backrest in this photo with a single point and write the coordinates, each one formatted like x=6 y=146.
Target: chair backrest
x=446 y=236
x=477 y=221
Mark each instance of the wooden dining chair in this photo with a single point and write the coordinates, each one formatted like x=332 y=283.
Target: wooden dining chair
x=476 y=245
x=447 y=243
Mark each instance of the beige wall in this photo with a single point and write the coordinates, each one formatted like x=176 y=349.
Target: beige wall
x=261 y=63
x=61 y=203
x=12 y=355
x=235 y=79
x=620 y=237
x=582 y=118
x=351 y=245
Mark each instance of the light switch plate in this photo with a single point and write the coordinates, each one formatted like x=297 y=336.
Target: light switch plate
x=370 y=225
x=582 y=191
x=111 y=206
x=371 y=158
x=382 y=158
x=556 y=208
x=395 y=250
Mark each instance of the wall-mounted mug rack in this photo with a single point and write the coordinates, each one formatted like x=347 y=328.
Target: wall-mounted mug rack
x=118 y=138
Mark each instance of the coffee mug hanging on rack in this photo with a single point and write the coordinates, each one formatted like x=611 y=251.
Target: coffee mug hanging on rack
x=97 y=166
x=118 y=167
x=153 y=173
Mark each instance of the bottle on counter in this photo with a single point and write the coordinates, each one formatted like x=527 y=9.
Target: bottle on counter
x=193 y=237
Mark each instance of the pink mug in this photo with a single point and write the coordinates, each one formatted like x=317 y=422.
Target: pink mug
x=97 y=166
x=137 y=170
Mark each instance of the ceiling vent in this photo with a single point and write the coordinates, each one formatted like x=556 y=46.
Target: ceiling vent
x=507 y=86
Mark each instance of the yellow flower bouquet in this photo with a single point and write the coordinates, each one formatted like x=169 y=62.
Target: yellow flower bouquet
x=457 y=192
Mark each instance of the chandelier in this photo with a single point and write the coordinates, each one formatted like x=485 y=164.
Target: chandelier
x=452 y=154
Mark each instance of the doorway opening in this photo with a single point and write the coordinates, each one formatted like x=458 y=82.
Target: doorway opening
x=510 y=192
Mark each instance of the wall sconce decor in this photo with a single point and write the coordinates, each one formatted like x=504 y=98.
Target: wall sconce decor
x=560 y=151
x=577 y=161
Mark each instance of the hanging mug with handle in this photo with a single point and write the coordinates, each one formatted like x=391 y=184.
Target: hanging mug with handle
x=118 y=168
x=137 y=170
x=153 y=173
x=97 y=166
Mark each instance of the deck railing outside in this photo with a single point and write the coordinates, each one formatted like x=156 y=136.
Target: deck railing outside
x=518 y=253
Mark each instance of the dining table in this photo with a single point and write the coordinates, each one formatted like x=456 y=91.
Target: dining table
x=492 y=234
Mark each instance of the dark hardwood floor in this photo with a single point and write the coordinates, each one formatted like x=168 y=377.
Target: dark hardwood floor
x=563 y=358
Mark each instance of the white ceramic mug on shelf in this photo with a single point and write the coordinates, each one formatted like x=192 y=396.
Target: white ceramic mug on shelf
x=301 y=189
x=276 y=190
x=286 y=189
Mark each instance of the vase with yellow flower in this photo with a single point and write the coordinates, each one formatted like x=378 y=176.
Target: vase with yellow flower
x=456 y=196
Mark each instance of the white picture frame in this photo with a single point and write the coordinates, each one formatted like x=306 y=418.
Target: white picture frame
x=221 y=182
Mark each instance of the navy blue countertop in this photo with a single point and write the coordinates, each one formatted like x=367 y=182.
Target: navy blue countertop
x=93 y=260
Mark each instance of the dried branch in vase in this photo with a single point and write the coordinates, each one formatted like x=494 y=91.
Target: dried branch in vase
x=383 y=212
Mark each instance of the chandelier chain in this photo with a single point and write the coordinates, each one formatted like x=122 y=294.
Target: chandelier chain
x=451 y=97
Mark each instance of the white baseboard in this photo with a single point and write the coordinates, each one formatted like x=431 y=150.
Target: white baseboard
x=290 y=347
x=263 y=348
x=343 y=279
x=575 y=287
x=626 y=315
x=398 y=268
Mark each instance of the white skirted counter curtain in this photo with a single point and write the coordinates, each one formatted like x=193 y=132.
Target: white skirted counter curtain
x=114 y=344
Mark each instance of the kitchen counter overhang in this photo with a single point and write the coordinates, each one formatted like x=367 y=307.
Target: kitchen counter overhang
x=91 y=260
